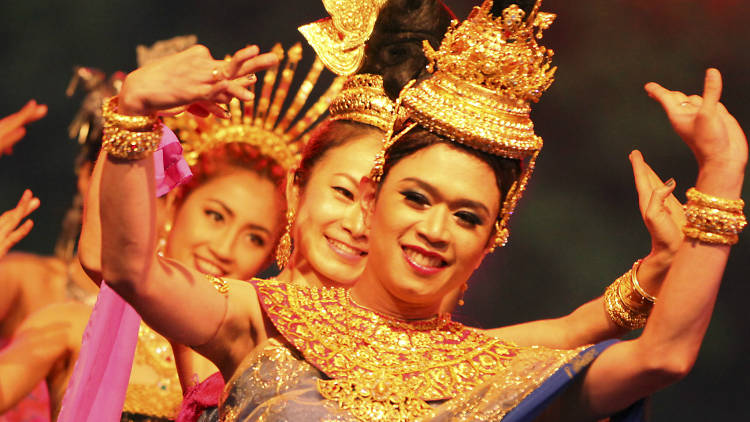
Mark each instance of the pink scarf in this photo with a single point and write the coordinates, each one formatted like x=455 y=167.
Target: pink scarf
x=96 y=390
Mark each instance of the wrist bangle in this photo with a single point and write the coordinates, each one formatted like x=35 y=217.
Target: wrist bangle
x=129 y=137
x=713 y=220
x=627 y=307
x=637 y=286
x=132 y=123
x=709 y=201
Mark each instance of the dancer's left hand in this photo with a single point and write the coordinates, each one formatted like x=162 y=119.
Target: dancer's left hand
x=662 y=213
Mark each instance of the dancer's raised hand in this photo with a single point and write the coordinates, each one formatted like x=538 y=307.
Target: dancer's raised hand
x=10 y=230
x=12 y=127
x=194 y=79
x=704 y=124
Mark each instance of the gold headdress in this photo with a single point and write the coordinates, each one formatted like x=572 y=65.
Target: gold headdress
x=363 y=99
x=257 y=122
x=340 y=40
x=485 y=73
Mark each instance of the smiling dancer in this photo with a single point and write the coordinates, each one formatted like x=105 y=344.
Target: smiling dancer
x=388 y=355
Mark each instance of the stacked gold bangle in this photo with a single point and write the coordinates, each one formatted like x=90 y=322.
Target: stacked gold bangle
x=128 y=137
x=713 y=220
x=627 y=304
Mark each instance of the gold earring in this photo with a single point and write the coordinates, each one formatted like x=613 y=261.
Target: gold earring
x=284 y=249
x=161 y=243
x=463 y=290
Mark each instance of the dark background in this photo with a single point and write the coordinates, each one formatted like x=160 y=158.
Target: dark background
x=578 y=227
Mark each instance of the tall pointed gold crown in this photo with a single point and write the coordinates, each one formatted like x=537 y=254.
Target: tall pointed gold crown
x=485 y=73
x=257 y=122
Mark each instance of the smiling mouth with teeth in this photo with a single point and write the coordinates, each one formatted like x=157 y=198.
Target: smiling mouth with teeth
x=423 y=262
x=207 y=267
x=344 y=249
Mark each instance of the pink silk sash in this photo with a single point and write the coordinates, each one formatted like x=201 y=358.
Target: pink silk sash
x=96 y=390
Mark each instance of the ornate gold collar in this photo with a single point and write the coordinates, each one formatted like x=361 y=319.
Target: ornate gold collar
x=432 y=360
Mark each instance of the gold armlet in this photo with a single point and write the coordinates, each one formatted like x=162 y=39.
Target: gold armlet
x=219 y=283
x=713 y=220
x=128 y=137
x=627 y=305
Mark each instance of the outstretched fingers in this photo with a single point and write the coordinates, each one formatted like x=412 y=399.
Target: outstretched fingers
x=10 y=231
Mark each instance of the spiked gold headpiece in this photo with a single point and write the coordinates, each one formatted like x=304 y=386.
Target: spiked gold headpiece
x=485 y=73
x=257 y=122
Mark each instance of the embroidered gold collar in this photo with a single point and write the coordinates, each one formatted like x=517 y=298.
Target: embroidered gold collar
x=431 y=360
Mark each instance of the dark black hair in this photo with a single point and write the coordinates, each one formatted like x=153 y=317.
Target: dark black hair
x=394 y=49
x=506 y=170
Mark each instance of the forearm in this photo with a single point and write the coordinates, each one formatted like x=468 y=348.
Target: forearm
x=127 y=200
x=681 y=315
x=90 y=243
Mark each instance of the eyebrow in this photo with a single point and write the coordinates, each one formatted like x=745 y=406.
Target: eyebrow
x=460 y=203
x=229 y=211
x=347 y=176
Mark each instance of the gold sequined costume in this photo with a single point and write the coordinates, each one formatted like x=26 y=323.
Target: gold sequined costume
x=338 y=361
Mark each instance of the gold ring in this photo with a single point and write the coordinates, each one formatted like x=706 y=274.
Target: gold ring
x=217 y=74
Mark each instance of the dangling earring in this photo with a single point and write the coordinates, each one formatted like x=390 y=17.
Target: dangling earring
x=463 y=290
x=284 y=250
x=161 y=243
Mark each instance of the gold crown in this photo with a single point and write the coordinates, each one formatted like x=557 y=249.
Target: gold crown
x=257 y=122
x=485 y=73
x=340 y=40
x=363 y=99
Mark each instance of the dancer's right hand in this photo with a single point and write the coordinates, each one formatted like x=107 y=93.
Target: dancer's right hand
x=194 y=79
x=10 y=231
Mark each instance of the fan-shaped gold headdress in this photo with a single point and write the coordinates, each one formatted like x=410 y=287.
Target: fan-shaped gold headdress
x=257 y=122
x=485 y=73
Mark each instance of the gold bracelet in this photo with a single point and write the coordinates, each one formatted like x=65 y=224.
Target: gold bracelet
x=714 y=220
x=219 y=283
x=708 y=237
x=129 y=145
x=637 y=286
x=699 y=198
x=132 y=123
x=620 y=313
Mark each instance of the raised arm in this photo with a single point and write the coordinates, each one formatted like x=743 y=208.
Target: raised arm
x=176 y=301
x=591 y=323
x=668 y=347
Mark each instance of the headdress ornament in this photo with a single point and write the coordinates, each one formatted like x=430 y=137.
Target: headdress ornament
x=485 y=73
x=362 y=99
x=257 y=122
x=87 y=124
x=340 y=39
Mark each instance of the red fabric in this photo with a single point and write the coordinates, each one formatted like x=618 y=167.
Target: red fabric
x=200 y=398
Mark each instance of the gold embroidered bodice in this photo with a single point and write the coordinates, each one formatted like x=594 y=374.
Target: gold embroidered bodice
x=154 y=387
x=379 y=368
